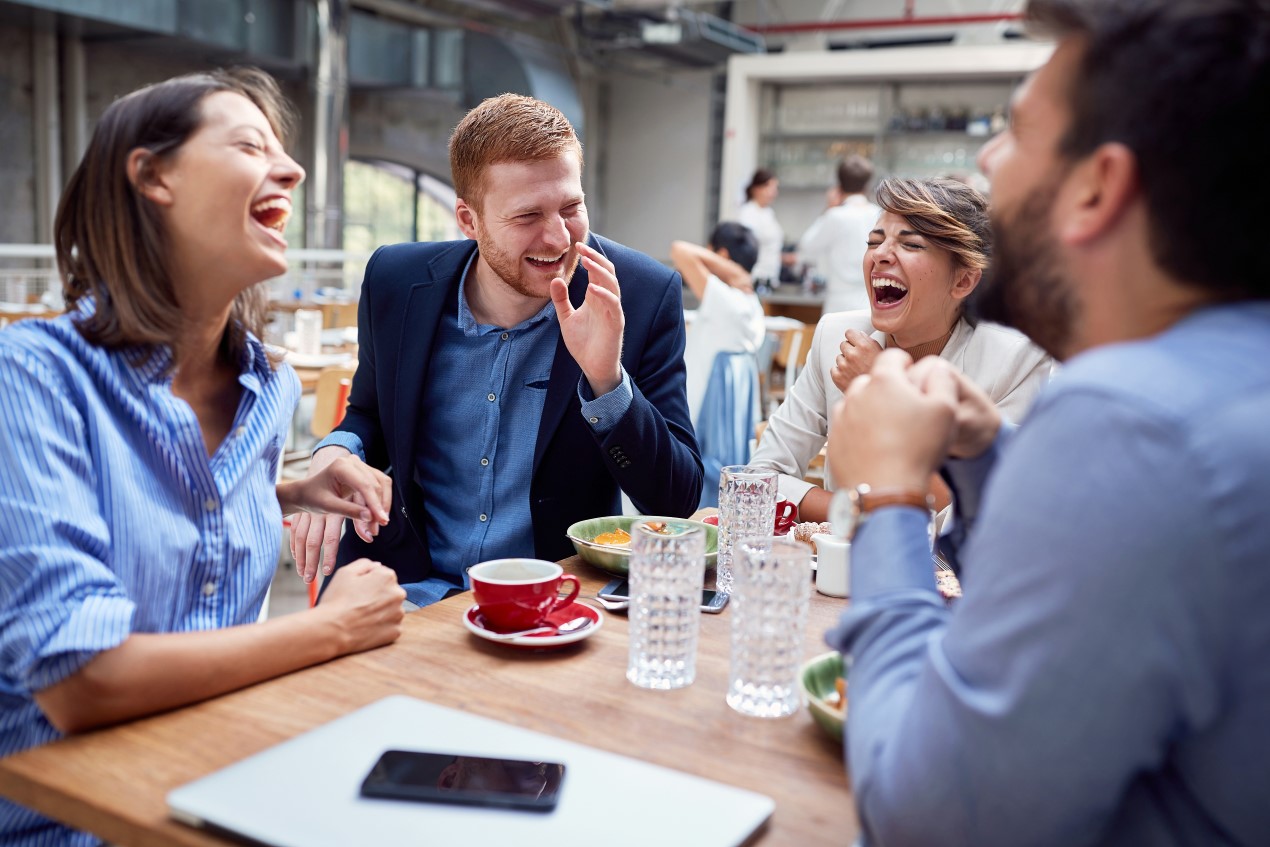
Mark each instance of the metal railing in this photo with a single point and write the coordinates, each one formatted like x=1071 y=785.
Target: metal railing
x=30 y=282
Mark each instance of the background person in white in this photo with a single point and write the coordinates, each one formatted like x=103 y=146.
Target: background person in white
x=834 y=244
x=730 y=317
x=757 y=214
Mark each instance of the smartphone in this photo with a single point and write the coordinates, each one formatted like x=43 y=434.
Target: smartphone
x=712 y=602
x=465 y=780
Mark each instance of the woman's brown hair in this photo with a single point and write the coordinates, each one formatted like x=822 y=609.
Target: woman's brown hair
x=947 y=213
x=110 y=239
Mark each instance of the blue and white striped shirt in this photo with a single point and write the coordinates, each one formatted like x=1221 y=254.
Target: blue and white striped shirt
x=113 y=519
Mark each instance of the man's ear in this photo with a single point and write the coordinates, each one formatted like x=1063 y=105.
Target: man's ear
x=966 y=281
x=466 y=217
x=145 y=174
x=1098 y=192
x=723 y=251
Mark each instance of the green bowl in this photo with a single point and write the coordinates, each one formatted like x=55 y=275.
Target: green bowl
x=617 y=560
x=818 y=677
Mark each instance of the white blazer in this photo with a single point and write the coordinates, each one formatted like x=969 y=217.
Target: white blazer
x=1003 y=362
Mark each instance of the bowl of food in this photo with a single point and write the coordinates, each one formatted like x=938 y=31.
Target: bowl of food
x=606 y=542
x=824 y=682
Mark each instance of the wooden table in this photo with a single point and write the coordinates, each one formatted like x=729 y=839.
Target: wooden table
x=113 y=782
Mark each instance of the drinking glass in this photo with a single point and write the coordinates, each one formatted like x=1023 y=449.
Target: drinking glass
x=308 y=331
x=747 y=509
x=769 y=622
x=666 y=574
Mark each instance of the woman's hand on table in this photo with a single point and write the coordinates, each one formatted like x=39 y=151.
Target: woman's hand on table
x=339 y=485
x=856 y=355
x=363 y=601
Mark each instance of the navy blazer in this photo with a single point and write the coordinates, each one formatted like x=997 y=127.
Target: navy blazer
x=651 y=453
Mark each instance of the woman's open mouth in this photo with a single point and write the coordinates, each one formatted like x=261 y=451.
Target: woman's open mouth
x=888 y=292
x=272 y=213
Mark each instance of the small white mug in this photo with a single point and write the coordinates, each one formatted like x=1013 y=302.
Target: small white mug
x=833 y=564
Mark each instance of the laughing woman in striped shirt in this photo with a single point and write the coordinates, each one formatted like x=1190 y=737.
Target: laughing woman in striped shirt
x=140 y=435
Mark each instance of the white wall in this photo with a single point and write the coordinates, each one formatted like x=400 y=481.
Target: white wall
x=655 y=160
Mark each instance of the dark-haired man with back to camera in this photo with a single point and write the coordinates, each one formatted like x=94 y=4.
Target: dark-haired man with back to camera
x=1104 y=680
x=834 y=244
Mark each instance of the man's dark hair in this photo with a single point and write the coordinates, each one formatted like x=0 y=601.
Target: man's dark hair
x=854 y=173
x=738 y=240
x=1185 y=85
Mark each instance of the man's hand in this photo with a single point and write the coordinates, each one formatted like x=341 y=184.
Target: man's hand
x=856 y=355
x=593 y=332
x=364 y=602
x=887 y=431
x=977 y=421
x=339 y=485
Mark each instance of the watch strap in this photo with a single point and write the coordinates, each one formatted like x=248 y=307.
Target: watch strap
x=870 y=500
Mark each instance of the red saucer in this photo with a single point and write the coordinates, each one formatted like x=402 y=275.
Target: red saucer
x=475 y=623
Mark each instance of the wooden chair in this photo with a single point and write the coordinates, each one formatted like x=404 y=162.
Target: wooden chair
x=788 y=358
x=328 y=410
x=339 y=314
x=332 y=396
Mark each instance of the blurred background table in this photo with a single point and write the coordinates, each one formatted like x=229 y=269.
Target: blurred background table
x=113 y=782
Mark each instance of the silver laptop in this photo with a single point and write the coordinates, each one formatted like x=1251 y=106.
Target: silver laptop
x=305 y=792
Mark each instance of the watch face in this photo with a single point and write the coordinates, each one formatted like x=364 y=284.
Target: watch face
x=841 y=514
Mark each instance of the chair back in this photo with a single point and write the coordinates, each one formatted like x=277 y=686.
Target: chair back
x=332 y=397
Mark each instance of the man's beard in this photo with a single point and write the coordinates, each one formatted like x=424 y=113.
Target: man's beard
x=510 y=270
x=1024 y=288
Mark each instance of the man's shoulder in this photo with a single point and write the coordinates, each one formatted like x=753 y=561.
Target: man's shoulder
x=628 y=261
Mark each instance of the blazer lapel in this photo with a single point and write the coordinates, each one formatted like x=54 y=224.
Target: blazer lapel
x=418 y=329
x=565 y=372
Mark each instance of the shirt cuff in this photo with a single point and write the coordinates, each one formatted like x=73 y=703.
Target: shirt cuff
x=967 y=477
x=603 y=413
x=97 y=624
x=348 y=440
x=891 y=552
x=792 y=488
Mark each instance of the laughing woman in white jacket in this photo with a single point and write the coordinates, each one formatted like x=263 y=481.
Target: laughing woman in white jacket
x=925 y=256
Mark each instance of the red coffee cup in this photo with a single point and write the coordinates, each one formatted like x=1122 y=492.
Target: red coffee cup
x=786 y=516
x=516 y=594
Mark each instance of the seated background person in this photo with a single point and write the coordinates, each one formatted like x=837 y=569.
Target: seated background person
x=730 y=317
x=510 y=395
x=1104 y=679
x=925 y=256
x=140 y=435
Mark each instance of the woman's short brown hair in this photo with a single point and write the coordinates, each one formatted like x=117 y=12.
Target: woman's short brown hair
x=506 y=128
x=947 y=213
x=110 y=239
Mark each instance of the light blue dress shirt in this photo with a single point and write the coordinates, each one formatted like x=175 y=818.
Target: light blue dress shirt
x=1106 y=677
x=114 y=520
x=483 y=399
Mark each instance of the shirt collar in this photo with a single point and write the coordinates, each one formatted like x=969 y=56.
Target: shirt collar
x=467 y=321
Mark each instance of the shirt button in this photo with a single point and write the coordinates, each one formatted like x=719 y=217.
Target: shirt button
x=240 y=432
x=484 y=518
x=504 y=336
x=594 y=420
x=490 y=397
x=210 y=504
x=209 y=588
x=484 y=462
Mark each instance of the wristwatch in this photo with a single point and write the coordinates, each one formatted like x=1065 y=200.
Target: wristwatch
x=850 y=507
